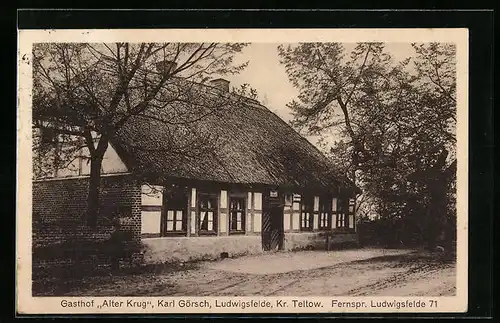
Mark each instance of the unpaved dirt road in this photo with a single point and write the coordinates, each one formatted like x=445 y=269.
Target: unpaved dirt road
x=377 y=273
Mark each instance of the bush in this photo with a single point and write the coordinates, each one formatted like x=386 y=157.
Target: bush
x=408 y=231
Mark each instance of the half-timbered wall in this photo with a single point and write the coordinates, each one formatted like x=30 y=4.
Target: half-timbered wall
x=314 y=213
x=288 y=212
x=220 y=212
x=296 y=207
x=79 y=163
x=151 y=210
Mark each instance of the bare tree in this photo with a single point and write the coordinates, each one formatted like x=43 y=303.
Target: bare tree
x=86 y=93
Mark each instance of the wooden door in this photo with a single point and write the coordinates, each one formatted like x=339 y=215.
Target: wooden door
x=272 y=228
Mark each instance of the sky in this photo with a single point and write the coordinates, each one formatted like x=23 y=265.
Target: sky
x=265 y=74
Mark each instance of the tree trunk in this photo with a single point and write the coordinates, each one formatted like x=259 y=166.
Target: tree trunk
x=96 y=157
x=436 y=209
x=94 y=190
x=437 y=186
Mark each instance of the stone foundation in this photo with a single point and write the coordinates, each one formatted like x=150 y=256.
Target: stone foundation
x=317 y=240
x=173 y=249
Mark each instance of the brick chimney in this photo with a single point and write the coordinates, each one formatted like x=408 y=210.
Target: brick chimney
x=221 y=84
x=166 y=67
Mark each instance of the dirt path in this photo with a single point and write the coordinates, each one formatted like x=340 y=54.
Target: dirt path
x=389 y=274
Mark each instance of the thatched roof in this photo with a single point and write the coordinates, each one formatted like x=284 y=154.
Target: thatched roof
x=243 y=142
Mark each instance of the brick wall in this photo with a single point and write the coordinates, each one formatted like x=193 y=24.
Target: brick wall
x=59 y=209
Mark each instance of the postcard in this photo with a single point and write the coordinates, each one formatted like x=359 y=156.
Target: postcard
x=181 y=171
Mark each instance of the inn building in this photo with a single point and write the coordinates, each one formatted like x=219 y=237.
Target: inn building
x=260 y=186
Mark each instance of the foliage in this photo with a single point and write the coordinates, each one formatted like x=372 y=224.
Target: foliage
x=401 y=232
x=83 y=94
x=394 y=121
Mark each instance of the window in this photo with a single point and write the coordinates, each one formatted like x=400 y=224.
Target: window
x=341 y=220
x=306 y=213
x=175 y=213
x=342 y=217
x=325 y=208
x=175 y=221
x=352 y=210
x=296 y=198
x=207 y=219
x=237 y=214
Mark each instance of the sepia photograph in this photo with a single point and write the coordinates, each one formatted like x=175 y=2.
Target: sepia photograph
x=281 y=168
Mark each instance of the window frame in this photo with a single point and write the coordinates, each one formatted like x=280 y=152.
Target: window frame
x=351 y=202
x=325 y=208
x=166 y=207
x=306 y=206
x=175 y=221
x=215 y=213
x=342 y=220
x=243 y=211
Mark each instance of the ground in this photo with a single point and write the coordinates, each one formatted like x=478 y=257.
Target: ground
x=362 y=272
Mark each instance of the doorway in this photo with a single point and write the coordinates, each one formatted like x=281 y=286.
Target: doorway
x=272 y=228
